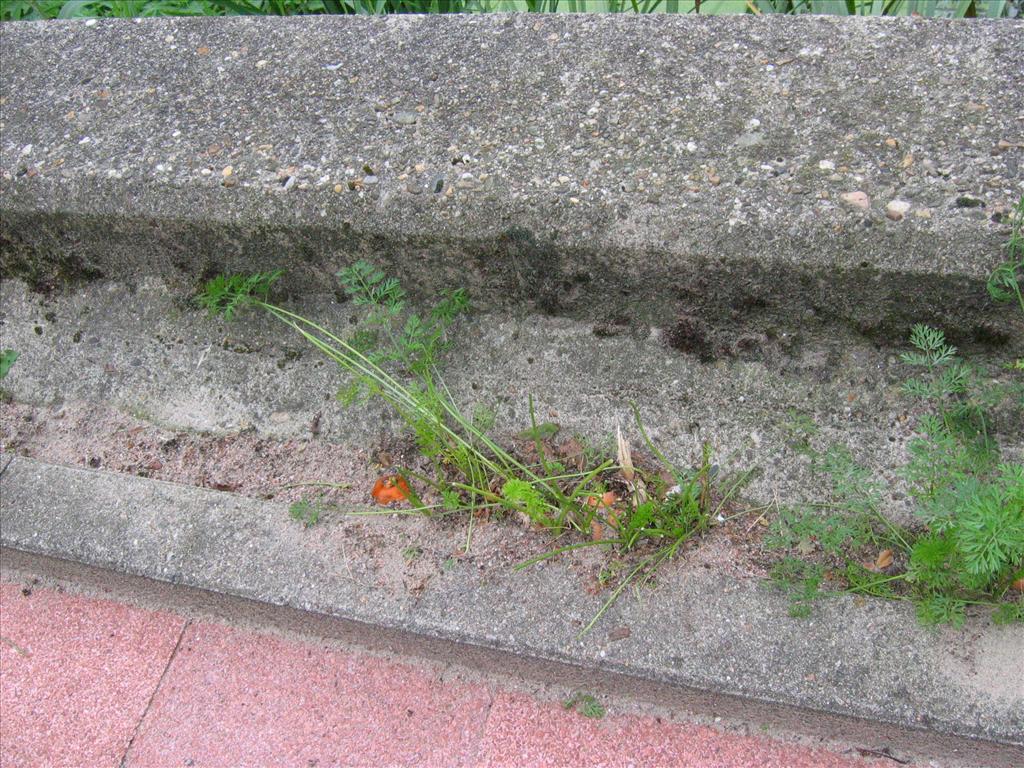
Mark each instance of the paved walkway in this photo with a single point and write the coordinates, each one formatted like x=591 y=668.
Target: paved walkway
x=89 y=683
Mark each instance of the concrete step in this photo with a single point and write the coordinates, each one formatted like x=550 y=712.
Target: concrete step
x=140 y=350
x=700 y=631
x=696 y=218
x=726 y=180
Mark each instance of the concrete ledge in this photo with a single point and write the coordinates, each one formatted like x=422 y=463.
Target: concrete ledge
x=701 y=629
x=679 y=168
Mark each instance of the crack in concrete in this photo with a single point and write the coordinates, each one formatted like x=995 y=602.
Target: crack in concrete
x=473 y=751
x=156 y=689
x=449 y=674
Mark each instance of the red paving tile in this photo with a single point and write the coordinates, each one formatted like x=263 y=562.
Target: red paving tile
x=231 y=698
x=77 y=673
x=524 y=732
x=75 y=676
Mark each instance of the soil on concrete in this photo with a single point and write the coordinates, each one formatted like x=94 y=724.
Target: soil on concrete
x=339 y=479
x=244 y=463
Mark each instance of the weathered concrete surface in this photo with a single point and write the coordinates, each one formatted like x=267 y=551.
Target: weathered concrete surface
x=700 y=629
x=682 y=226
x=141 y=350
x=687 y=173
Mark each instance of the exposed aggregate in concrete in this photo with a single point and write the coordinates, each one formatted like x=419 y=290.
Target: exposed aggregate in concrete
x=723 y=220
x=744 y=174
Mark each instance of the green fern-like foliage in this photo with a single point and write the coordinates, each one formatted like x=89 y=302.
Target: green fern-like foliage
x=521 y=496
x=225 y=295
x=306 y=512
x=368 y=285
x=391 y=333
x=941 y=609
x=989 y=529
x=977 y=547
x=971 y=548
x=955 y=388
x=931 y=349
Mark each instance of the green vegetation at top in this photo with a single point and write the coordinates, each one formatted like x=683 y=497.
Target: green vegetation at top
x=12 y=10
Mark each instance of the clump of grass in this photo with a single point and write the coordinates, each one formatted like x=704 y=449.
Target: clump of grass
x=629 y=503
x=586 y=704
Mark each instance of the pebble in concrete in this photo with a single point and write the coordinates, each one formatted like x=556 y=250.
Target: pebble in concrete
x=857 y=200
x=897 y=209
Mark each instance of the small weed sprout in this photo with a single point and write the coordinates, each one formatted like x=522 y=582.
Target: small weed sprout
x=306 y=512
x=586 y=704
x=392 y=333
x=1004 y=282
x=226 y=294
x=7 y=358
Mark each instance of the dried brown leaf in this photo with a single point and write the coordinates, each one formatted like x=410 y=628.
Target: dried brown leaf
x=619 y=633
x=625 y=457
x=884 y=559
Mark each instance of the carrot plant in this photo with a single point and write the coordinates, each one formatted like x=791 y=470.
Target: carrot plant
x=968 y=549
